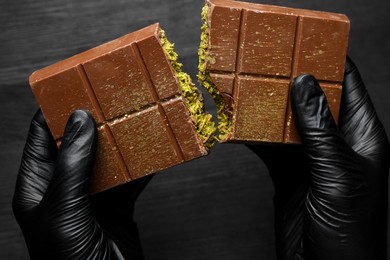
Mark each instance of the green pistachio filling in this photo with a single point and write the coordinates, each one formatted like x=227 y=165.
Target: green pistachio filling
x=204 y=123
x=224 y=122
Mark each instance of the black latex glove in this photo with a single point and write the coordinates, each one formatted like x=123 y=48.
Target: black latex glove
x=331 y=192
x=58 y=218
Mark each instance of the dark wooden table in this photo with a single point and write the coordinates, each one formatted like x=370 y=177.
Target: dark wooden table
x=217 y=207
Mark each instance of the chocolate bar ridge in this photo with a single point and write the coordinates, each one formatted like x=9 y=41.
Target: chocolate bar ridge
x=149 y=114
x=248 y=56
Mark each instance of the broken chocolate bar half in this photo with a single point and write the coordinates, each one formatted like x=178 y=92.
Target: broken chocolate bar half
x=149 y=114
x=250 y=53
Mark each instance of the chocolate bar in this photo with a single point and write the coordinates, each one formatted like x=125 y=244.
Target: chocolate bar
x=250 y=53
x=149 y=114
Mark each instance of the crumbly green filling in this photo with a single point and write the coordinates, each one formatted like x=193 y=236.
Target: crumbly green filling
x=224 y=122
x=204 y=123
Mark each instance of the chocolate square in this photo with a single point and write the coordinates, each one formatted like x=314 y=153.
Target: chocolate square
x=268 y=43
x=262 y=110
x=134 y=136
x=112 y=92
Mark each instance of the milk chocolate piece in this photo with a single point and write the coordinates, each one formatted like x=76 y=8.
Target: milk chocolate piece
x=250 y=53
x=130 y=87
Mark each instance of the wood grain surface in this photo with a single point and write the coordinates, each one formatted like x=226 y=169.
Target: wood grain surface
x=217 y=207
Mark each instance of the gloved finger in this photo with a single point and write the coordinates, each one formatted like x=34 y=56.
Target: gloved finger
x=37 y=165
x=75 y=159
x=358 y=120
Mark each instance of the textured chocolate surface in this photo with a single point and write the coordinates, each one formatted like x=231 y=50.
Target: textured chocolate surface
x=130 y=88
x=254 y=51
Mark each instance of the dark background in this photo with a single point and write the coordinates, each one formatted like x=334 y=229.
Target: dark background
x=217 y=207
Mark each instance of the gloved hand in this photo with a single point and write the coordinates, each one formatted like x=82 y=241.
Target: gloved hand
x=331 y=192
x=58 y=217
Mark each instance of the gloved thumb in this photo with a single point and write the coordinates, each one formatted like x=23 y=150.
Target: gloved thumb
x=69 y=184
x=330 y=158
x=312 y=115
x=327 y=151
